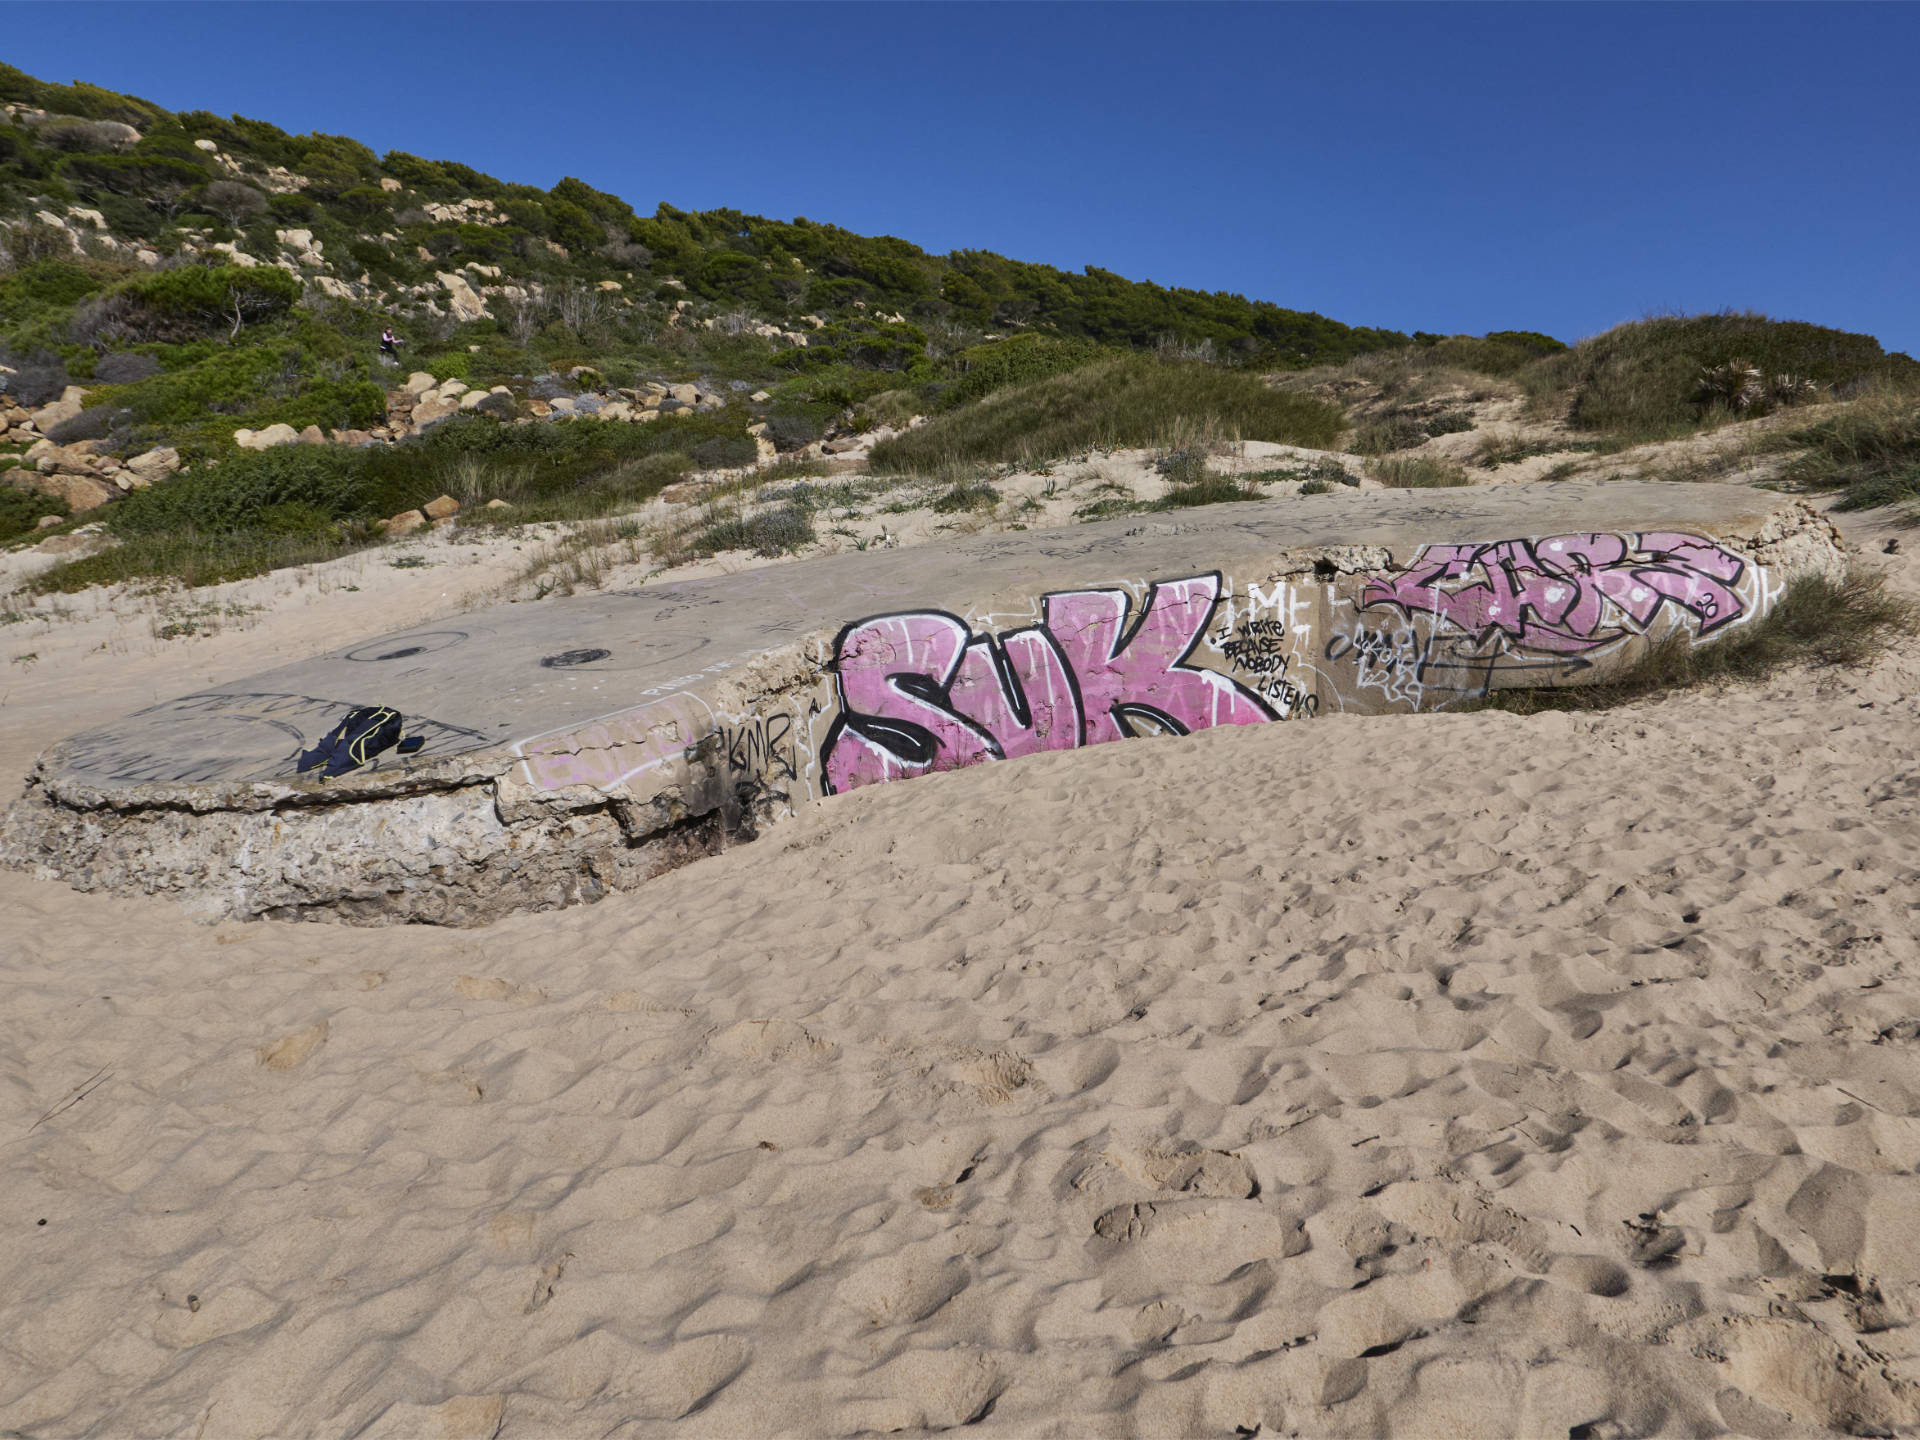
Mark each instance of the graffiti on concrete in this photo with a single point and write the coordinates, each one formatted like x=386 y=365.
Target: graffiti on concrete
x=919 y=691
x=1569 y=594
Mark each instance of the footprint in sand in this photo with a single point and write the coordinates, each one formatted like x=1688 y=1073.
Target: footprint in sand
x=290 y=1050
x=906 y=1287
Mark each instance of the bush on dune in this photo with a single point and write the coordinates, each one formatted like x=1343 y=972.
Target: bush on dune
x=1132 y=400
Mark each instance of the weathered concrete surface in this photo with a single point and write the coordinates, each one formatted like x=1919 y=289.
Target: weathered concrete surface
x=581 y=745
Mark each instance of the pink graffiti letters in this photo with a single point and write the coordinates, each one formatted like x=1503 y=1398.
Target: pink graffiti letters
x=1568 y=594
x=920 y=692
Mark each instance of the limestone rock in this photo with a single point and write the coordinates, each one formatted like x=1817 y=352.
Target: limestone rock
x=766 y=448
x=266 y=439
x=419 y=383
x=405 y=523
x=207 y=145
x=760 y=397
x=473 y=398
x=442 y=508
x=313 y=435
x=462 y=299
x=449 y=389
x=70 y=404
x=387 y=182
x=81 y=492
x=684 y=394
x=496 y=505
x=47 y=522
x=432 y=411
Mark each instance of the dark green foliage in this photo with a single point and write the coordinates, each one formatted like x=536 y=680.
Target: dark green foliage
x=725 y=452
x=240 y=491
x=1818 y=622
x=215 y=297
x=982 y=369
x=20 y=510
x=1134 y=400
x=1643 y=379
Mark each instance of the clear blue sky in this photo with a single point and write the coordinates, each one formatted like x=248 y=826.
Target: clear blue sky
x=1456 y=168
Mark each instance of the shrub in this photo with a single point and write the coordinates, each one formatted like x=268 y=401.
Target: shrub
x=1418 y=472
x=1208 y=489
x=449 y=365
x=1645 y=379
x=237 y=493
x=124 y=368
x=961 y=498
x=725 y=452
x=20 y=510
x=792 y=432
x=212 y=296
x=233 y=202
x=1019 y=360
x=778 y=531
x=1871 y=450
x=1133 y=400
x=38 y=379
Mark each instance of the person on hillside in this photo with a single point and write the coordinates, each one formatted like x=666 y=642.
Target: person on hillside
x=388 y=345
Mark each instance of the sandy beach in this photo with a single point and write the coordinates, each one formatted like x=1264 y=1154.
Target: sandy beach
x=1452 y=1075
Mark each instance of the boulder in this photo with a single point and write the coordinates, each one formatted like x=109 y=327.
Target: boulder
x=462 y=300
x=472 y=399
x=39 y=448
x=313 y=435
x=47 y=522
x=766 y=448
x=266 y=439
x=496 y=505
x=387 y=182
x=442 y=508
x=451 y=389
x=81 y=492
x=684 y=394
x=760 y=397
x=432 y=411
x=405 y=523
x=207 y=145
x=419 y=383
x=155 y=464
x=617 y=410
x=560 y=405
x=66 y=407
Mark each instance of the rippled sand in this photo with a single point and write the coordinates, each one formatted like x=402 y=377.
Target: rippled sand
x=1450 y=1076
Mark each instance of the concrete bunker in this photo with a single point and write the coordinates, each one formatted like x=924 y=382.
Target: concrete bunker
x=580 y=746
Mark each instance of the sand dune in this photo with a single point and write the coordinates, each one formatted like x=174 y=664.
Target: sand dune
x=1454 y=1076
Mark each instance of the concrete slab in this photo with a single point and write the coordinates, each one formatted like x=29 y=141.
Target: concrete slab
x=576 y=746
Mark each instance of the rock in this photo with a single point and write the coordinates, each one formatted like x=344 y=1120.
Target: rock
x=432 y=411
x=313 y=435
x=419 y=383
x=207 y=145
x=841 y=446
x=423 y=253
x=462 y=299
x=760 y=397
x=66 y=407
x=155 y=464
x=759 y=427
x=612 y=287
x=684 y=394
x=560 y=405
x=39 y=448
x=472 y=399
x=387 y=182
x=266 y=439
x=494 y=402
x=441 y=508
x=405 y=523
x=81 y=492
x=539 y=409
x=449 y=389
x=496 y=505
x=47 y=522
x=766 y=447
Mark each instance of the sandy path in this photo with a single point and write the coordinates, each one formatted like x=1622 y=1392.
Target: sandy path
x=1462 y=1075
